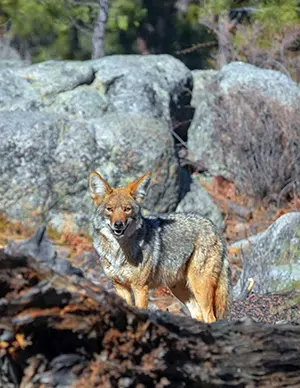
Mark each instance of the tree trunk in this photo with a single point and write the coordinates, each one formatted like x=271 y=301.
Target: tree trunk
x=224 y=41
x=57 y=330
x=99 y=30
x=74 y=45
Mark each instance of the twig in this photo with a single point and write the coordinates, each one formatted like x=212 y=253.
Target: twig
x=195 y=47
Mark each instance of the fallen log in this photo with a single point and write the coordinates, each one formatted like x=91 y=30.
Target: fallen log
x=63 y=331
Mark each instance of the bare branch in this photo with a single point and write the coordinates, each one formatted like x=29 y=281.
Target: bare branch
x=73 y=21
x=84 y=3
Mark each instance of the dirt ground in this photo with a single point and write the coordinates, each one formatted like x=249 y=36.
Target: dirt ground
x=270 y=308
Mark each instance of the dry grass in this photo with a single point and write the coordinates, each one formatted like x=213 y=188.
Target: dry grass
x=15 y=230
x=12 y=230
x=78 y=243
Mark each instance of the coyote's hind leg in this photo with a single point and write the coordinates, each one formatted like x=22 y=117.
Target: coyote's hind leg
x=203 y=283
x=183 y=293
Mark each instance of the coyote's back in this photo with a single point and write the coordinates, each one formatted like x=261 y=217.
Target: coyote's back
x=182 y=251
x=189 y=256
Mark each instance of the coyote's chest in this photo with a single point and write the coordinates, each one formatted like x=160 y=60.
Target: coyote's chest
x=125 y=274
x=119 y=264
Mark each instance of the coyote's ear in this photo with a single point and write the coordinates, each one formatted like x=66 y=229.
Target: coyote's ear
x=98 y=187
x=138 y=188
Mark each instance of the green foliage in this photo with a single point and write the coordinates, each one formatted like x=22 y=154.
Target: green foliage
x=59 y=29
x=125 y=14
x=44 y=24
x=193 y=13
x=48 y=23
x=276 y=17
x=30 y=17
x=276 y=14
x=124 y=18
x=262 y=38
x=273 y=15
x=215 y=7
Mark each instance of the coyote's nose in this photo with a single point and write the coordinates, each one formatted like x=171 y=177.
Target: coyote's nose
x=118 y=225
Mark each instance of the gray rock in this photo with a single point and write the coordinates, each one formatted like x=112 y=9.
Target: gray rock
x=273 y=259
x=53 y=77
x=7 y=52
x=203 y=145
x=12 y=63
x=28 y=143
x=270 y=83
x=197 y=200
x=16 y=92
x=246 y=244
x=37 y=247
x=42 y=250
x=60 y=120
x=210 y=88
x=201 y=78
x=121 y=163
x=156 y=85
x=45 y=159
x=84 y=102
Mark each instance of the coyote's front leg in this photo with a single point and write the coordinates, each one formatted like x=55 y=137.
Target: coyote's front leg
x=124 y=292
x=141 y=296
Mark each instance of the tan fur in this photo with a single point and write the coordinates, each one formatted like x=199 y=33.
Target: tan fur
x=124 y=291
x=223 y=295
x=184 y=252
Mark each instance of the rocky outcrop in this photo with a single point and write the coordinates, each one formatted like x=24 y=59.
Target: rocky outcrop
x=61 y=119
x=197 y=200
x=272 y=258
x=223 y=102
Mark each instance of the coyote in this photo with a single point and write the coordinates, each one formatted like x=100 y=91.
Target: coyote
x=182 y=251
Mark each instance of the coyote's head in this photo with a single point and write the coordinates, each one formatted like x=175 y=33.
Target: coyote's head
x=118 y=207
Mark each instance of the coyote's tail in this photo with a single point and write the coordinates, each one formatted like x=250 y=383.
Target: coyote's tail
x=223 y=292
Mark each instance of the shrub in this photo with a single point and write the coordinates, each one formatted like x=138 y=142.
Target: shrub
x=263 y=142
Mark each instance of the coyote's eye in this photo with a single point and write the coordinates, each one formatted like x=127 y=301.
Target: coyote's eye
x=109 y=209
x=127 y=209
